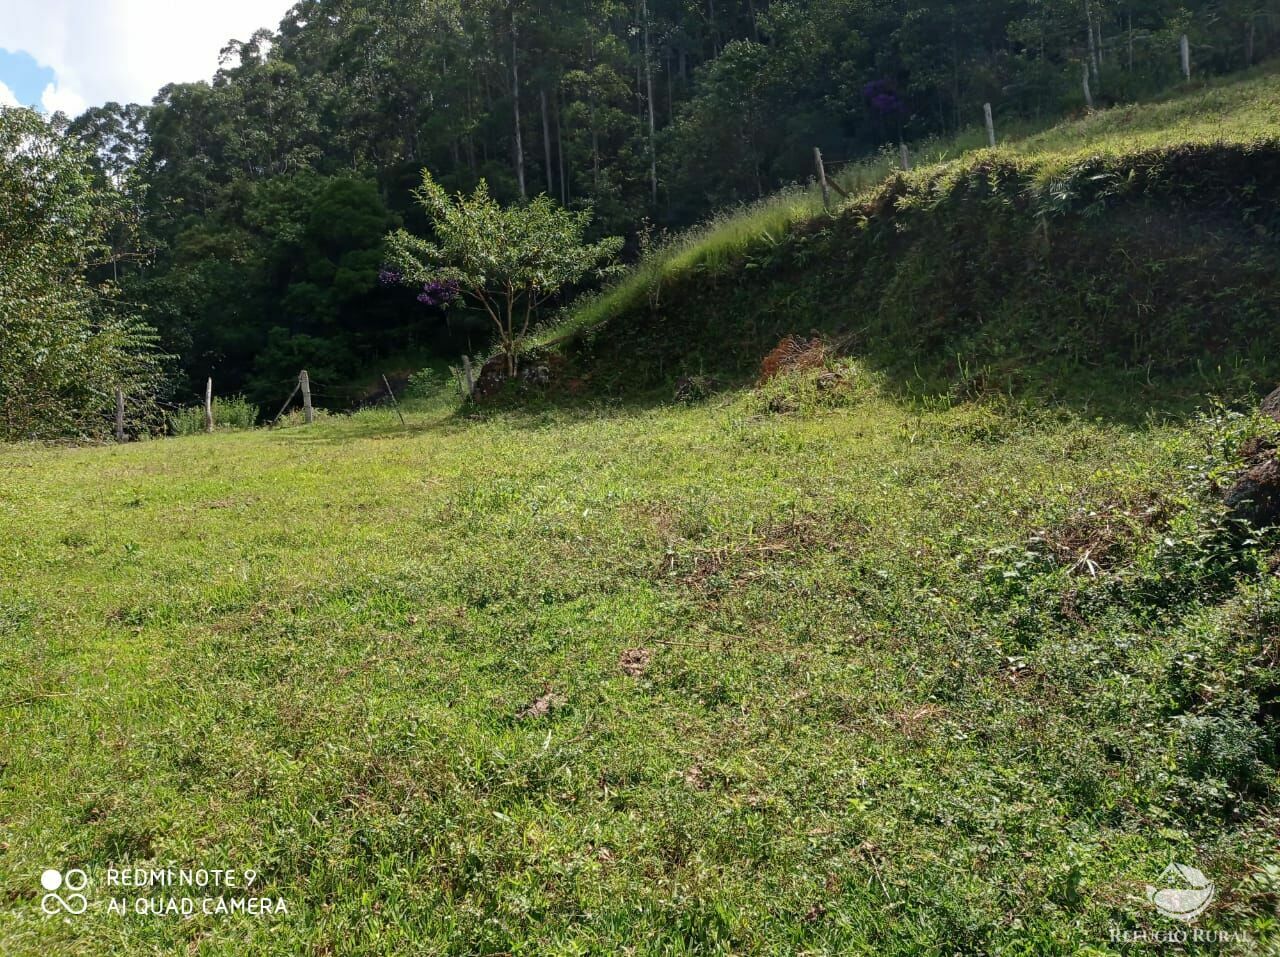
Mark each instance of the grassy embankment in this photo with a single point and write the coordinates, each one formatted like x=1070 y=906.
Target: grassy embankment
x=1127 y=256
x=809 y=668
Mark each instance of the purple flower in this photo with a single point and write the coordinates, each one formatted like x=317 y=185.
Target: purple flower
x=389 y=277
x=438 y=293
x=881 y=97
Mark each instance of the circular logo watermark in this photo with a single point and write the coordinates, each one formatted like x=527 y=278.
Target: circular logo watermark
x=1185 y=893
x=59 y=884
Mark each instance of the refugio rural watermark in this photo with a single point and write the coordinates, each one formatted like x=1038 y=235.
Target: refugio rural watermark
x=1182 y=894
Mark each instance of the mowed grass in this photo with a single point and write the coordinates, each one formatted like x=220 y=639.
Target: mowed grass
x=876 y=698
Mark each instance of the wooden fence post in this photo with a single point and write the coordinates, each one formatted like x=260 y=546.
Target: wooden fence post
x=304 y=383
x=119 y=414
x=1088 y=92
x=1185 y=45
x=906 y=158
x=822 y=178
x=208 y=405
x=991 y=124
x=470 y=379
x=394 y=400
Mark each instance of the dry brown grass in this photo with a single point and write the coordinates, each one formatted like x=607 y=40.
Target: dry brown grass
x=793 y=354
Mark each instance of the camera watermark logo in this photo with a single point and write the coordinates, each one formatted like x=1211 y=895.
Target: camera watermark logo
x=69 y=884
x=1185 y=893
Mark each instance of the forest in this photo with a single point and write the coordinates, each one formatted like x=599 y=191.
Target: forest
x=237 y=226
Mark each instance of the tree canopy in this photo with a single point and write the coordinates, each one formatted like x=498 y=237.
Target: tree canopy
x=509 y=261
x=66 y=342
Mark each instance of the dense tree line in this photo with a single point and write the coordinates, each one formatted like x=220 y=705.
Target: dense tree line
x=68 y=344
x=264 y=196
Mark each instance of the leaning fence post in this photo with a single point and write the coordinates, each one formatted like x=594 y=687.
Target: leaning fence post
x=119 y=414
x=304 y=382
x=394 y=400
x=296 y=386
x=822 y=177
x=470 y=379
x=208 y=405
x=1185 y=45
x=991 y=124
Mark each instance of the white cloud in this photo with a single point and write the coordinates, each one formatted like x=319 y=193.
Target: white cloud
x=6 y=97
x=55 y=98
x=125 y=50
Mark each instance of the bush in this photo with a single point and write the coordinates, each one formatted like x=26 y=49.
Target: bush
x=233 y=414
x=424 y=384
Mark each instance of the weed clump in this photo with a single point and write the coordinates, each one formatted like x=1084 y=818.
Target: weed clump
x=234 y=413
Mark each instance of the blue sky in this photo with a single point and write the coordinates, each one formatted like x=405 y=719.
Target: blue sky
x=70 y=54
x=25 y=79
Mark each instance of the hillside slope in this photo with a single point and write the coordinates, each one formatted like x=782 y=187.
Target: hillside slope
x=1135 y=249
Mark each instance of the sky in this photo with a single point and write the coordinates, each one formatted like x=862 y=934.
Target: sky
x=70 y=54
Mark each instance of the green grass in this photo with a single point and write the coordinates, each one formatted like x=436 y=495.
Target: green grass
x=886 y=708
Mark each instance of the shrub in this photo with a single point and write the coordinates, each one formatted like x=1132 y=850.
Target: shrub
x=232 y=414
x=423 y=384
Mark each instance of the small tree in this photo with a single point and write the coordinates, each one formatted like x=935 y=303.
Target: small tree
x=508 y=261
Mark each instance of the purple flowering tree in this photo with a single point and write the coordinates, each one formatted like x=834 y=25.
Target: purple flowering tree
x=506 y=261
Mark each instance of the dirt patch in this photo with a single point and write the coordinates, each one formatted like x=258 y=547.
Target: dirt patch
x=1255 y=497
x=540 y=707
x=1271 y=405
x=696 y=778
x=1256 y=450
x=634 y=662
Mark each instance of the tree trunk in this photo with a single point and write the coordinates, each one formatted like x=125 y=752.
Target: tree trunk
x=546 y=141
x=648 y=79
x=1094 y=61
x=1131 y=41
x=515 y=105
x=564 y=179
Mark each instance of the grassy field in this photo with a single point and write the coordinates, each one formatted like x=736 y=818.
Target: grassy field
x=802 y=670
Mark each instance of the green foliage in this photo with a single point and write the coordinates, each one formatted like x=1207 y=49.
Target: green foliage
x=424 y=384
x=260 y=188
x=66 y=343
x=509 y=261
x=229 y=414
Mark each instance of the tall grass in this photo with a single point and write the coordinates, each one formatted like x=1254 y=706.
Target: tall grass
x=234 y=413
x=721 y=241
